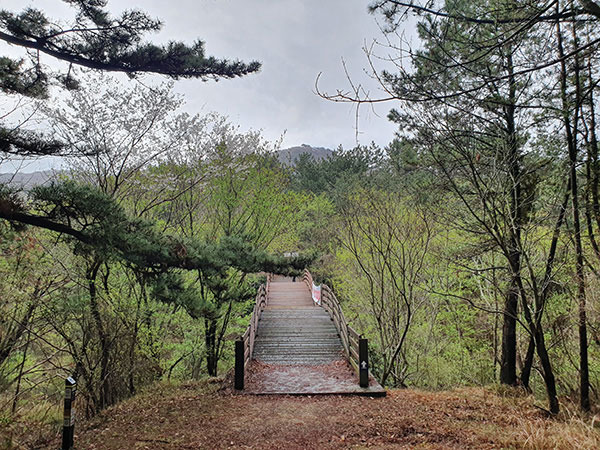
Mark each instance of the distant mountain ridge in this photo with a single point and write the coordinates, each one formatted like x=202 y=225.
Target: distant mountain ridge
x=290 y=155
x=27 y=181
x=287 y=156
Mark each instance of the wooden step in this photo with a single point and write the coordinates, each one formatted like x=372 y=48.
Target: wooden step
x=293 y=330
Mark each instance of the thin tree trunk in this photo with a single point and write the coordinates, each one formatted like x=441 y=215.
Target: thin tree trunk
x=526 y=372
x=14 y=335
x=547 y=370
x=594 y=177
x=20 y=376
x=104 y=397
x=134 y=337
x=210 y=338
x=571 y=134
x=535 y=325
x=528 y=364
x=508 y=367
x=508 y=363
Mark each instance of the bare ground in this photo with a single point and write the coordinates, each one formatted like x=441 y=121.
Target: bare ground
x=198 y=416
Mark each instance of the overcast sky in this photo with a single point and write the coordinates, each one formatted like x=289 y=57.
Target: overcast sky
x=295 y=40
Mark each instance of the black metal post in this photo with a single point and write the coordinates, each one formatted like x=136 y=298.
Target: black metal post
x=239 y=365
x=363 y=364
x=69 y=414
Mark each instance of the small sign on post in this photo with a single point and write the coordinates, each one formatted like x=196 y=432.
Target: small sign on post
x=363 y=365
x=69 y=414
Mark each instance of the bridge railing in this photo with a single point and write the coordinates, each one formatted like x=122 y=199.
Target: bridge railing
x=244 y=347
x=355 y=346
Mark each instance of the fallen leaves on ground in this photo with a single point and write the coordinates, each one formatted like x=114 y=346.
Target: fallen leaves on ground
x=194 y=417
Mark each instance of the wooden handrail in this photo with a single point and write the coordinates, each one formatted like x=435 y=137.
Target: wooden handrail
x=244 y=346
x=350 y=338
x=260 y=303
x=308 y=279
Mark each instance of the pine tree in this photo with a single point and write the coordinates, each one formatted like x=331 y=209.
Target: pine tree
x=95 y=40
x=464 y=105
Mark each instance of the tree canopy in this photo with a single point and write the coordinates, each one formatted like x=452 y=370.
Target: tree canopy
x=94 y=40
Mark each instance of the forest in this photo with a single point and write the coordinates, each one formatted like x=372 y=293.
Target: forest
x=467 y=250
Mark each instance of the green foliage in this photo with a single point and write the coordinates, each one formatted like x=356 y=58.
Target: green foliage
x=238 y=215
x=384 y=250
x=315 y=223
x=338 y=171
x=97 y=222
x=15 y=80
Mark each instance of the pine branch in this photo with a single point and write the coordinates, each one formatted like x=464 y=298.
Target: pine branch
x=419 y=9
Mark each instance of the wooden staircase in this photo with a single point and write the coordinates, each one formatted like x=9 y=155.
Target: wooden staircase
x=294 y=346
x=293 y=330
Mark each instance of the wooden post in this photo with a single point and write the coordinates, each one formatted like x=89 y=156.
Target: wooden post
x=363 y=363
x=69 y=414
x=239 y=364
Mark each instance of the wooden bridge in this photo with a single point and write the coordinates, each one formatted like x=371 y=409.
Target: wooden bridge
x=295 y=345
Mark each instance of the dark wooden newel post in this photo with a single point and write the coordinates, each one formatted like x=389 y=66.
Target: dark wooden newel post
x=69 y=414
x=239 y=365
x=363 y=364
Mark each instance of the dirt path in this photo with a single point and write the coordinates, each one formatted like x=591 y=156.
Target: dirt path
x=189 y=417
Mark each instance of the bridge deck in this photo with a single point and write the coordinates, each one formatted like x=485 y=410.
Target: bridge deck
x=294 y=331
x=297 y=348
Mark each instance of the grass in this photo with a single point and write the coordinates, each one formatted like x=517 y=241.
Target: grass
x=571 y=429
x=34 y=425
